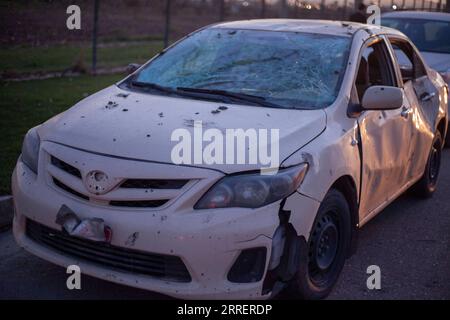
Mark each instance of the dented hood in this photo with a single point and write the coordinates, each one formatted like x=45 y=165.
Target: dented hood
x=140 y=125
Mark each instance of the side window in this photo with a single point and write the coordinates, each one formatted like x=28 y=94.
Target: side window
x=410 y=64
x=375 y=68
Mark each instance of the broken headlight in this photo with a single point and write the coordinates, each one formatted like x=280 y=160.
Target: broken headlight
x=253 y=190
x=30 y=149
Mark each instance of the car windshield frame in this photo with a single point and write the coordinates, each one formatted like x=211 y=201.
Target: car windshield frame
x=415 y=20
x=240 y=97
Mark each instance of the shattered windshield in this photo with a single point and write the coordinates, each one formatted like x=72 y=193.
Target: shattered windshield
x=287 y=69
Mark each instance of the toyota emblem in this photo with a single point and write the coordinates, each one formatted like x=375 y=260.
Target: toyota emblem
x=98 y=182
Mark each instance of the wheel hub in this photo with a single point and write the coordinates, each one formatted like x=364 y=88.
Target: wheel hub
x=324 y=245
x=434 y=163
x=327 y=245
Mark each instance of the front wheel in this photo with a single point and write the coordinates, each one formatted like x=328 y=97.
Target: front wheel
x=327 y=246
x=428 y=183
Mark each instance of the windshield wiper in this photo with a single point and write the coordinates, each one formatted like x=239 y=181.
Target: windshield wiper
x=154 y=86
x=173 y=91
x=233 y=95
x=198 y=93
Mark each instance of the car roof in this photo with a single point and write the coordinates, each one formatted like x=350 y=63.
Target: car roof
x=294 y=25
x=329 y=27
x=441 y=16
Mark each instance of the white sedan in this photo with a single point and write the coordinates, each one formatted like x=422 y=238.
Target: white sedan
x=137 y=184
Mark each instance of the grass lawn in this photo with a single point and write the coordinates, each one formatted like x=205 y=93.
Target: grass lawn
x=26 y=104
x=61 y=57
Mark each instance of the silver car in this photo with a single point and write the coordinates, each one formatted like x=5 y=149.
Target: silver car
x=430 y=32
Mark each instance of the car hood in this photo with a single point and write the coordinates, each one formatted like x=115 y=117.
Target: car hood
x=438 y=61
x=139 y=125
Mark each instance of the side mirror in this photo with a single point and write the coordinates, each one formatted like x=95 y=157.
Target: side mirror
x=132 y=67
x=382 y=98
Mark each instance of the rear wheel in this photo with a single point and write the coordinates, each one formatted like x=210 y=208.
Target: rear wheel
x=428 y=183
x=447 y=139
x=327 y=247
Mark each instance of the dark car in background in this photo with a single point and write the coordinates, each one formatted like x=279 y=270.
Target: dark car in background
x=430 y=32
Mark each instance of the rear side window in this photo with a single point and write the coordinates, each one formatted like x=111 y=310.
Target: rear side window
x=411 y=66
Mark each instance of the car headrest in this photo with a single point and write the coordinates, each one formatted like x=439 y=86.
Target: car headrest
x=362 y=77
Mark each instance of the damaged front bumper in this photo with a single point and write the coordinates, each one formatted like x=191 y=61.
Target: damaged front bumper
x=175 y=250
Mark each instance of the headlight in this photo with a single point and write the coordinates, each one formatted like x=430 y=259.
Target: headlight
x=253 y=190
x=30 y=149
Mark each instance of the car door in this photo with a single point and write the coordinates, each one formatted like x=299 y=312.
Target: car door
x=423 y=97
x=384 y=134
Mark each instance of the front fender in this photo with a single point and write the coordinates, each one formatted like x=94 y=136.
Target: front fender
x=330 y=156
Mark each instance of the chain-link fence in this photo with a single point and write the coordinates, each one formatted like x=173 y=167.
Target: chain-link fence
x=155 y=23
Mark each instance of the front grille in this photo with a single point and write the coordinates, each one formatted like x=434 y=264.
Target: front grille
x=138 y=204
x=69 y=190
x=65 y=167
x=153 y=184
x=71 y=184
x=133 y=261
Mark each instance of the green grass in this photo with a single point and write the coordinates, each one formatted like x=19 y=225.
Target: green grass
x=58 y=58
x=26 y=104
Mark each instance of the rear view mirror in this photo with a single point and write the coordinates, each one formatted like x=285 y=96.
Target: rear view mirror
x=382 y=98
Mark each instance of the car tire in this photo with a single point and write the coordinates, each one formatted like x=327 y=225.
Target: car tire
x=427 y=185
x=327 y=248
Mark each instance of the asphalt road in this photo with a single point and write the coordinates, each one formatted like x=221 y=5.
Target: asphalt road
x=409 y=241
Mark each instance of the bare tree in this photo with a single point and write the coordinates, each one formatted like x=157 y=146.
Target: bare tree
x=167 y=24
x=344 y=12
x=94 y=37
x=263 y=8
x=322 y=7
x=283 y=9
x=222 y=10
x=358 y=3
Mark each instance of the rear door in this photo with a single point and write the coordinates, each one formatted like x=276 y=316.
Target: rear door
x=384 y=135
x=423 y=97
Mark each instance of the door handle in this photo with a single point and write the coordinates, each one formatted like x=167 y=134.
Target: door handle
x=405 y=112
x=427 y=96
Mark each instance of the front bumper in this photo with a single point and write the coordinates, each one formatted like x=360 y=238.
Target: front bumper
x=207 y=241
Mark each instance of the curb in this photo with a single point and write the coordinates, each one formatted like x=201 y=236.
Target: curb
x=6 y=211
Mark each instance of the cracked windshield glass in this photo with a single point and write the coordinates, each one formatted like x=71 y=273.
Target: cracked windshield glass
x=286 y=69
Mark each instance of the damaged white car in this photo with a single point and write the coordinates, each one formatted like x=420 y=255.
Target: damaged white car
x=97 y=185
